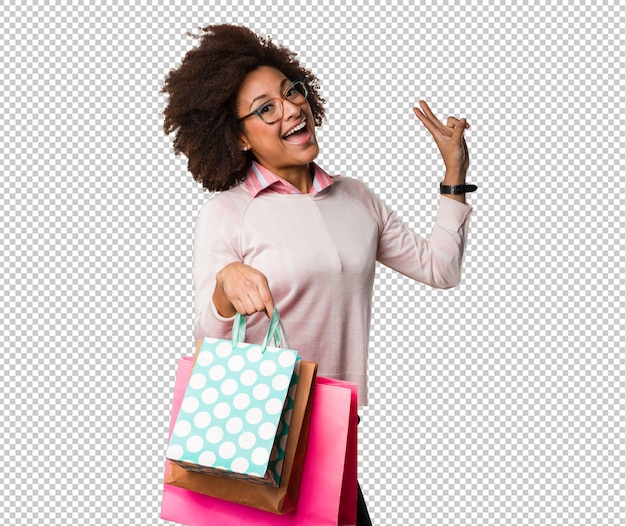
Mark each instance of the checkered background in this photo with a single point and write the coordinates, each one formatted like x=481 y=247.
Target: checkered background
x=500 y=402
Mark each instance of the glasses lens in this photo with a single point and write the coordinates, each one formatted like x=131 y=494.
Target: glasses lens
x=272 y=110
x=297 y=92
x=269 y=111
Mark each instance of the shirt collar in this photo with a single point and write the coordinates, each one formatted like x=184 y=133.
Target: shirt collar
x=259 y=179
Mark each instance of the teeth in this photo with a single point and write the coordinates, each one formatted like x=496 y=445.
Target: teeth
x=297 y=128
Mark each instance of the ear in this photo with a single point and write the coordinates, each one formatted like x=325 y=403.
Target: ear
x=245 y=145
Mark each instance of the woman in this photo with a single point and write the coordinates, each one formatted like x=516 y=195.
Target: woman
x=282 y=231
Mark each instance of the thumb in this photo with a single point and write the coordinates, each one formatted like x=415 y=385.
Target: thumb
x=269 y=305
x=460 y=129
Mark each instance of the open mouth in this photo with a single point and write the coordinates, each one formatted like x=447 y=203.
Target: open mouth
x=298 y=134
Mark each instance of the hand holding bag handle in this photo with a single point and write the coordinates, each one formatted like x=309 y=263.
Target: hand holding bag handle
x=275 y=332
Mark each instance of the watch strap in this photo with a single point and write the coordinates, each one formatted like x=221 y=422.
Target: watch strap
x=456 y=189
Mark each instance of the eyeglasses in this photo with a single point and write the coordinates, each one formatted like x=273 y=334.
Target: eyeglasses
x=272 y=109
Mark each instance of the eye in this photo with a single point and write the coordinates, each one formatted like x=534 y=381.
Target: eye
x=268 y=107
x=295 y=90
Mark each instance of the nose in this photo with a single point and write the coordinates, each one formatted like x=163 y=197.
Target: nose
x=291 y=110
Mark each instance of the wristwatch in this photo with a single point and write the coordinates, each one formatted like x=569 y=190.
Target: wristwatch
x=456 y=189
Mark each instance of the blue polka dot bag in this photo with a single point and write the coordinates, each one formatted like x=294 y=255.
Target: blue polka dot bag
x=234 y=418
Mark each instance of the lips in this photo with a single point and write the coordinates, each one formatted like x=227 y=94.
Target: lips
x=299 y=134
x=296 y=128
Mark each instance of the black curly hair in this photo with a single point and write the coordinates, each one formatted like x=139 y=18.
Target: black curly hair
x=201 y=107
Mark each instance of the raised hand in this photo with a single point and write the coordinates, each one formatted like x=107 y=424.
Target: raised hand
x=450 y=141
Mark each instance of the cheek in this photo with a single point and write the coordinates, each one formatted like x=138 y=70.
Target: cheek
x=260 y=134
x=308 y=108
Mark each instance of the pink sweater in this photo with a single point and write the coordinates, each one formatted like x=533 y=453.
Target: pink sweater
x=318 y=252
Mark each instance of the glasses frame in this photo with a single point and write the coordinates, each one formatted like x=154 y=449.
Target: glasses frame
x=282 y=98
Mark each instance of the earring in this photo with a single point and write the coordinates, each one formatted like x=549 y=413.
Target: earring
x=245 y=148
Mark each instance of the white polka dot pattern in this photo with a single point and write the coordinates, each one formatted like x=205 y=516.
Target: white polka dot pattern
x=235 y=415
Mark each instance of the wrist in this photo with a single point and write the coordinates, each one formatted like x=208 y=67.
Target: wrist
x=457 y=189
x=454 y=177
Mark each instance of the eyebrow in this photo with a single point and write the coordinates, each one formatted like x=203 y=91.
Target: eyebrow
x=265 y=96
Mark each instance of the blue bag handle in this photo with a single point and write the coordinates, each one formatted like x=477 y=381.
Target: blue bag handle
x=274 y=334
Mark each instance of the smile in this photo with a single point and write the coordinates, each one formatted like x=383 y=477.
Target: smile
x=295 y=129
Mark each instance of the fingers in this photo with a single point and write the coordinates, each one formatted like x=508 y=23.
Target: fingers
x=266 y=300
x=246 y=289
x=426 y=109
x=458 y=129
x=431 y=126
x=448 y=137
x=453 y=122
x=253 y=295
x=424 y=114
x=250 y=302
x=430 y=121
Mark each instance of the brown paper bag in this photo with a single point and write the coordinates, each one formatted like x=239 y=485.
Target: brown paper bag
x=281 y=499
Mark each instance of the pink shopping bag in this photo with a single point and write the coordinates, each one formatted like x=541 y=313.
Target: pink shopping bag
x=328 y=488
x=347 y=507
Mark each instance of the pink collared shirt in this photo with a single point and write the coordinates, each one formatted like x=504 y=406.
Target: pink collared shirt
x=318 y=252
x=260 y=179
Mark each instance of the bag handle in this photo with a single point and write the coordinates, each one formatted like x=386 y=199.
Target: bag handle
x=275 y=332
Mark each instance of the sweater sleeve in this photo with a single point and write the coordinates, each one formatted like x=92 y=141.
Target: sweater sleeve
x=436 y=260
x=215 y=245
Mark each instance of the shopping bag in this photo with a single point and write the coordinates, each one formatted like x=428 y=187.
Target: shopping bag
x=277 y=500
x=349 y=487
x=322 y=488
x=229 y=420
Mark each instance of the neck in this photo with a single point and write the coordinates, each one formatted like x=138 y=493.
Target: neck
x=301 y=177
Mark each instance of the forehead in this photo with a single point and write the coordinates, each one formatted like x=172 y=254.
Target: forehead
x=264 y=80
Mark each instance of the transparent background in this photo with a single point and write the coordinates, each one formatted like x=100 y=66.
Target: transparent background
x=499 y=402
